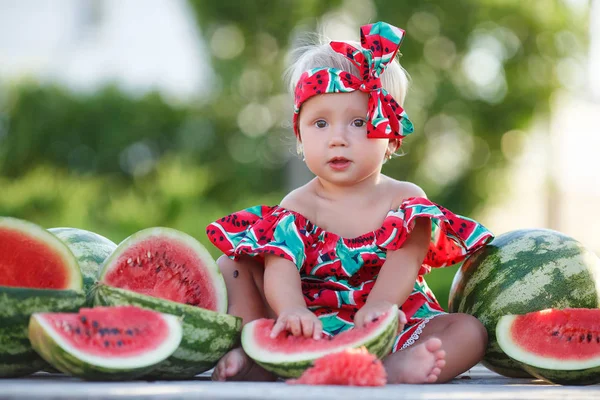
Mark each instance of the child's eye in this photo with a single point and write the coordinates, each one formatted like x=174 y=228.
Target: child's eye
x=359 y=123
x=321 y=123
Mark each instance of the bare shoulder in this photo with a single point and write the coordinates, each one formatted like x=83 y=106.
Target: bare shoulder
x=299 y=199
x=403 y=190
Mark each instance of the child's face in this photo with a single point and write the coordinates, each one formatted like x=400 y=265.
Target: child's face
x=333 y=130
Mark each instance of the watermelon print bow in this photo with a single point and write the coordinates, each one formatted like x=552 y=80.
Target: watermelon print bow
x=380 y=43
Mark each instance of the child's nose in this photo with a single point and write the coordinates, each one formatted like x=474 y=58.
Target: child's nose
x=338 y=136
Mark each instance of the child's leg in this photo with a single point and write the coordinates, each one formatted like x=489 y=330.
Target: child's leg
x=245 y=299
x=448 y=346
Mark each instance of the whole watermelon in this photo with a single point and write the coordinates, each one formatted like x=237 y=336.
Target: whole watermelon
x=520 y=272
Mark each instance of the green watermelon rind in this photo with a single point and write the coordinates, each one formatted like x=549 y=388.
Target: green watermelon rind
x=207 y=335
x=216 y=278
x=571 y=285
x=90 y=249
x=553 y=370
x=292 y=365
x=63 y=356
x=17 y=357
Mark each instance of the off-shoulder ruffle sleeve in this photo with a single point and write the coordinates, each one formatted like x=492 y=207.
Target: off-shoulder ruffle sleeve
x=453 y=237
x=257 y=231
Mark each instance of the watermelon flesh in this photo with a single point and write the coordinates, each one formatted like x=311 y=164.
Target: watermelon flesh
x=560 y=346
x=353 y=367
x=105 y=342
x=167 y=264
x=29 y=259
x=289 y=356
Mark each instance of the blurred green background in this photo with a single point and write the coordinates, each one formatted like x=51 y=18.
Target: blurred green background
x=115 y=162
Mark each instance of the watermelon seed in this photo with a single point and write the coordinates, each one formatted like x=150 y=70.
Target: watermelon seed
x=569 y=339
x=581 y=338
x=119 y=343
x=129 y=261
x=129 y=332
x=83 y=320
x=555 y=333
x=106 y=343
x=77 y=330
x=95 y=324
x=157 y=270
x=115 y=331
x=589 y=337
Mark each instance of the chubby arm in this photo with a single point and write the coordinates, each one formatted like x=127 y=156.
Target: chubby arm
x=283 y=291
x=397 y=276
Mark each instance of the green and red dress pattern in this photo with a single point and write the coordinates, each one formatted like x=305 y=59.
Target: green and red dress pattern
x=338 y=273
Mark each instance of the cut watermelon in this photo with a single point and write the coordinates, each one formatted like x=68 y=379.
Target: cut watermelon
x=519 y=272
x=169 y=264
x=105 y=343
x=352 y=367
x=289 y=356
x=559 y=346
x=169 y=271
x=38 y=273
x=30 y=257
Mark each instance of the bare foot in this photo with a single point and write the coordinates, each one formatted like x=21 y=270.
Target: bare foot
x=421 y=363
x=237 y=366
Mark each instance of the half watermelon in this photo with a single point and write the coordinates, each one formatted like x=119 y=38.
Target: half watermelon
x=289 y=356
x=559 y=346
x=38 y=273
x=171 y=272
x=105 y=343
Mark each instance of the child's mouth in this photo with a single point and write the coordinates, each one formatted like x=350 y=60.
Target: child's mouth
x=339 y=163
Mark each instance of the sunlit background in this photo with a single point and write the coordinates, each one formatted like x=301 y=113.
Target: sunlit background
x=117 y=115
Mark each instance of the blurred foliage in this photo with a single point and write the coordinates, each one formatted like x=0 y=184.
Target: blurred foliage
x=113 y=163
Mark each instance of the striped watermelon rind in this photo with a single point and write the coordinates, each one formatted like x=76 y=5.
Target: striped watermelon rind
x=520 y=272
x=217 y=282
x=553 y=370
x=90 y=250
x=17 y=358
x=207 y=335
x=70 y=360
x=293 y=364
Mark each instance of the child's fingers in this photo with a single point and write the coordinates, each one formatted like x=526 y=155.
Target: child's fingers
x=307 y=325
x=402 y=317
x=278 y=327
x=317 y=330
x=294 y=325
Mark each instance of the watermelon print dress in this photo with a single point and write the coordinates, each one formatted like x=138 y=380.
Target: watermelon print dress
x=338 y=273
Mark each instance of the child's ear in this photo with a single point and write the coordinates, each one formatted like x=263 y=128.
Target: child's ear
x=393 y=145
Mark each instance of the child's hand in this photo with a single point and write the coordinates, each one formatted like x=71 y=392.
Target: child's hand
x=372 y=311
x=300 y=322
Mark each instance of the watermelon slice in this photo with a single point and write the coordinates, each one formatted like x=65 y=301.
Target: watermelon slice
x=169 y=264
x=38 y=273
x=289 y=356
x=169 y=271
x=105 y=343
x=559 y=346
x=352 y=367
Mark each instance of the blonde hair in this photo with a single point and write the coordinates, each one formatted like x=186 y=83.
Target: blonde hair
x=315 y=52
